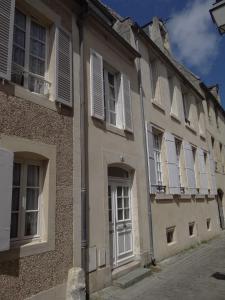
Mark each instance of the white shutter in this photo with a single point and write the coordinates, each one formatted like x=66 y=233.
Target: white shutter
x=202 y=172
x=189 y=168
x=63 y=67
x=96 y=85
x=155 y=81
x=6 y=173
x=127 y=111
x=151 y=159
x=7 y=10
x=213 y=188
x=173 y=168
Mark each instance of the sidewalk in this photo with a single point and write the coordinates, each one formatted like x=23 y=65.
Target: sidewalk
x=197 y=273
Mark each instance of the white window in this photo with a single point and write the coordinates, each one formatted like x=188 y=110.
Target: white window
x=26 y=200
x=194 y=160
x=178 y=151
x=29 y=54
x=157 y=138
x=111 y=97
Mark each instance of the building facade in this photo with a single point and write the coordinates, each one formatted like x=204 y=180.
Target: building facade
x=111 y=152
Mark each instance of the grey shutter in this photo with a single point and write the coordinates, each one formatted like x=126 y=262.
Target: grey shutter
x=202 y=172
x=127 y=111
x=189 y=168
x=7 y=10
x=173 y=168
x=213 y=189
x=6 y=173
x=155 y=81
x=151 y=159
x=63 y=67
x=96 y=85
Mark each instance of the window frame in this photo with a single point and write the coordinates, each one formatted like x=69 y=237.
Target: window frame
x=178 y=147
x=106 y=71
x=157 y=150
x=21 y=237
x=27 y=53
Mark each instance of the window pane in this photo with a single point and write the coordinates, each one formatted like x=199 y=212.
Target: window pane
x=33 y=176
x=20 y=19
x=18 y=56
x=119 y=202
x=16 y=174
x=112 y=92
x=119 y=191
x=32 y=199
x=19 y=37
x=37 y=31
x=37 y=66
x=120 y=214
x=126 y=202
x=127 y=213
x=14 y=225
x=121 y=243
x=125 y=190
x=37 y=48
x=111 y=78
x=15 y=199
x=31 y=223
x=113 y=118
x=112 y=105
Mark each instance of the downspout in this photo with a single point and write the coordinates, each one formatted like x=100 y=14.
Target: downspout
x=146 y=157
x=84 y=153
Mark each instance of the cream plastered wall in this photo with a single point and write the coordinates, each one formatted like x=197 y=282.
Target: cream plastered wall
x=167 y=211
x=218 y=133
x=107 y=145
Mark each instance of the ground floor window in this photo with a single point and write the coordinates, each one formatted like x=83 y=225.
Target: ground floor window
x=26 y=200
x=170 y=234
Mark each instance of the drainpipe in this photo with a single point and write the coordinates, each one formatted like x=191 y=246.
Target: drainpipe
x=84 y=152
x=146 y=158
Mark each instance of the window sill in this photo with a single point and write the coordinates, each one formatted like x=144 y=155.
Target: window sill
x=191 y=128
x=211 y=196
x=115 y=130
x=22 y=250
x=163 y=196
x=175 y=117
x=200 y=196
x=158 y=105
x=171 y=244
x=41 y=100
x=185 y=196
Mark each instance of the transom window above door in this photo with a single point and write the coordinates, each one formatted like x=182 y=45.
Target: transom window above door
x=29 y=58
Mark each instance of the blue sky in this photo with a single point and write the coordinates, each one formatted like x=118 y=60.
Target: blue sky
x=195 y=39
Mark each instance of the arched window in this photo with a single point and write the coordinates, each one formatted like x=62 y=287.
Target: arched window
x=118 y=172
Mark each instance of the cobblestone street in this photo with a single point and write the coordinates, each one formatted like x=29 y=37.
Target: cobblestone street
x=195 y=274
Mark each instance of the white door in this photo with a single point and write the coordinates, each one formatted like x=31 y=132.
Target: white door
x=120 y=223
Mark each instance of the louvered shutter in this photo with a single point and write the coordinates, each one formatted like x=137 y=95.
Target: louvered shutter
x=202 y=172
x=63 y=67
x=7 y=10
x=164 y=88
x=173 y=168
x=155 y=82
x=96 y=84
x=213 y=189
x=189 y=168
x=151 y=159
x=6 y=173
x=127 y=110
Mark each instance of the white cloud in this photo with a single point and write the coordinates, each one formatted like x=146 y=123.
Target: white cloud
x=192 y=36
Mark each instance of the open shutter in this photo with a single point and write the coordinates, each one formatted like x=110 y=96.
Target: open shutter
x=173 y=168
x=164 y=85
x=155 y=81
x=127 y=111
x=63 y=67
x=151 y=159
x=189 y=168
x=202 y=172
x=213 y=189
x=7 y=10
x=97 y=88
x=6 y=173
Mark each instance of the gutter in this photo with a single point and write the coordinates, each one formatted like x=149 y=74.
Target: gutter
x=152 y=256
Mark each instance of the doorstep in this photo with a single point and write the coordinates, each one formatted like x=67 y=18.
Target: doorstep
x=132 y=277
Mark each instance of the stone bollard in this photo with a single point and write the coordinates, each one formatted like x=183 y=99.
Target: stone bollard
x=76 y=285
